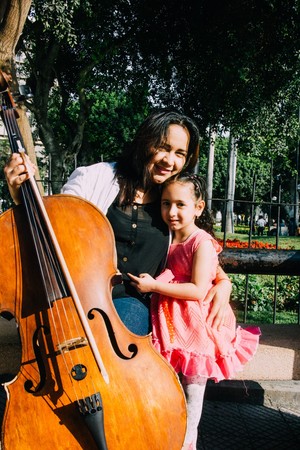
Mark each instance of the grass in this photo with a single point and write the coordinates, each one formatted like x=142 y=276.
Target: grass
x=282 y=317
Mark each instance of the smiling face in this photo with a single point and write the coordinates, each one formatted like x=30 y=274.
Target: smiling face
x=179 y=207
x=171 y=156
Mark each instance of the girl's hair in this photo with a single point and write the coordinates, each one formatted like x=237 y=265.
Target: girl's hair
x=205 y=221
x=132 y=166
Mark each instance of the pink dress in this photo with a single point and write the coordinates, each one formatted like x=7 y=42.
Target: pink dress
x=180 y=330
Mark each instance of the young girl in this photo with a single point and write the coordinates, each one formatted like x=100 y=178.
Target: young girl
x=180 y=329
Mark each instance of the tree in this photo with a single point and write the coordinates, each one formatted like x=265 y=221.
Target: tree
x=13 y=15
x=221 y=62
x=112 y=121
x=71 y=52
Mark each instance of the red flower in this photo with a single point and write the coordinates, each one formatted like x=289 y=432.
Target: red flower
x=235 y=243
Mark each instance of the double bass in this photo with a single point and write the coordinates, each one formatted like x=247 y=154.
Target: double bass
x=85 y=381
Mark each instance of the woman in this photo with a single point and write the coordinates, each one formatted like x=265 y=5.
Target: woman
x=128 y=193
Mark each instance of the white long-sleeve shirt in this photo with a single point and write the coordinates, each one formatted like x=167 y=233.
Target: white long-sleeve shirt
x=95 y=183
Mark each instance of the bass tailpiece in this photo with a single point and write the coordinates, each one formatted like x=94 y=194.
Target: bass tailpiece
x=92 y=410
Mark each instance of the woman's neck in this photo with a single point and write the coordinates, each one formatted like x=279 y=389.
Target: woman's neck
x=145 y=197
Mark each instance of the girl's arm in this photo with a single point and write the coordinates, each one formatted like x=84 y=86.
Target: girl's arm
x=195 y=290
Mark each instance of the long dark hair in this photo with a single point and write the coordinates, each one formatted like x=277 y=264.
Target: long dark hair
x=205 y=221
x=132 y=165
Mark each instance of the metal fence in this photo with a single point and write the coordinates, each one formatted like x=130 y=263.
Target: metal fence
x=251 y=261
x=247 y=261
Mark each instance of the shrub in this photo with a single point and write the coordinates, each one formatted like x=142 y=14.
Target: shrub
x=261 y=292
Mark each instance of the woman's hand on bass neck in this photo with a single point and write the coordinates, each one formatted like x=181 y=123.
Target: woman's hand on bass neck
x=16 y=173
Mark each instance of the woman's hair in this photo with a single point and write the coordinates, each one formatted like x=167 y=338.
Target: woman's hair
x=132 y=165
x=205 y=221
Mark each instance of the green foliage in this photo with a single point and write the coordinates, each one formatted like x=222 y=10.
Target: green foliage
x=272 y=136
x=261 y=293
x=225 y=60
x=111 y=122
x=57 y=17
x=232 y=64
x=248 y=164
x=288 y=293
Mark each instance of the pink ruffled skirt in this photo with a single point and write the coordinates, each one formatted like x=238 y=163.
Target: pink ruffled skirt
x=193 y=348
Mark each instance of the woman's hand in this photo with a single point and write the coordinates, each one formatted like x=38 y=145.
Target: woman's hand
x=16 y=172
x=219 y=294
x=143 y=283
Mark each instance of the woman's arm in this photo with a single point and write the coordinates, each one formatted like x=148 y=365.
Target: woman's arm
x=194 y=290
x=219 y=295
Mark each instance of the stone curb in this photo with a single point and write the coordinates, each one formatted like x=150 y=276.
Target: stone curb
x=275 y=394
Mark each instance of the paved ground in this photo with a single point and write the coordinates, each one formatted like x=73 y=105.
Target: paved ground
x=242 y=426
x=233 y=426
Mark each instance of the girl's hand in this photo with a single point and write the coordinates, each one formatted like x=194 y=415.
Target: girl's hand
x=16 y=173
x=219 y=294
x=143 y=283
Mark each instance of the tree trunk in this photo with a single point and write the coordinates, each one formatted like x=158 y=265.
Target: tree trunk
x=297 y=186
x=13 y=14
x=232 y=155
x=210 y=167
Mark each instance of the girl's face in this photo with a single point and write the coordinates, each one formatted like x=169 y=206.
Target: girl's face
x=170 y=158
x=179 y=208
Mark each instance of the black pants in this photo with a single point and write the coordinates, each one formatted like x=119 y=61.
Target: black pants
x=260 y=231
